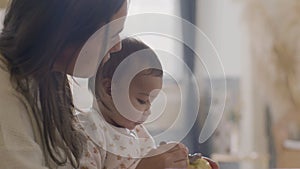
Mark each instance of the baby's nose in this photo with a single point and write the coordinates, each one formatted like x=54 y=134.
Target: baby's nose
x=147 y=112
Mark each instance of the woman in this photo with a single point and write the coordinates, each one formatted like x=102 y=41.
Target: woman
x=39 y=44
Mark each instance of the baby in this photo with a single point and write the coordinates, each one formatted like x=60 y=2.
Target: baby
x=124 y=88
x=117 y=138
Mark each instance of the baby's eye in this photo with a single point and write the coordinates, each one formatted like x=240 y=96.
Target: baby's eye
x=141 y=101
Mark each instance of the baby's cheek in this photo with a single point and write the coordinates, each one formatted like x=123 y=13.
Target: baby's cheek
x=137 y=106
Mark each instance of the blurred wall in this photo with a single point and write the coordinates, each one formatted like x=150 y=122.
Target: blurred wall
x=274 y=27
x=225 y=24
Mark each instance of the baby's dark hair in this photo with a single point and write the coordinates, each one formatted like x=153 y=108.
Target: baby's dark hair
x=129 y=47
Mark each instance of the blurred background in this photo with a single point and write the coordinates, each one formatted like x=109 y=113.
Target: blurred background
x=258 y=42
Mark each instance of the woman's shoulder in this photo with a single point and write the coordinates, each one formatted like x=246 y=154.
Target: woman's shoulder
x=17 y=128
x=5 y=84
x=15 y=113
x=9 y=99
x=8 y=96
x=12 y=108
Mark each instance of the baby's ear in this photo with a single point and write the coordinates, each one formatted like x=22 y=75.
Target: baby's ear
x=106 y=83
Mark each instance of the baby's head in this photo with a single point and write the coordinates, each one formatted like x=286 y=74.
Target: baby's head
x=143 y=87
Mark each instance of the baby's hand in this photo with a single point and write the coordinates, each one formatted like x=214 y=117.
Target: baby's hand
x=213 y=164
x=169 y=155
x=194 y=157
x=196 y=161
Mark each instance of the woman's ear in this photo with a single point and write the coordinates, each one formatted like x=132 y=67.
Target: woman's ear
x=106 y=83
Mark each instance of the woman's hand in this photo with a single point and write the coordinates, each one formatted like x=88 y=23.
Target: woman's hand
x=169 y=155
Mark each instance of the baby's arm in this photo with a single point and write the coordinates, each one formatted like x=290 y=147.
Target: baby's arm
x=92 y=157
x=171 y=155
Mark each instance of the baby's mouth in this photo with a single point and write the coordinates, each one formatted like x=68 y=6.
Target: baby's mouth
x=139 y=122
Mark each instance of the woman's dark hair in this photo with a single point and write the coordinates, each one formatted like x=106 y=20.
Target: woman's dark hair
x=129 y=47
x=35 y=32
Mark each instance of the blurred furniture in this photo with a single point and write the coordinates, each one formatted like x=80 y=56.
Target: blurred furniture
x=287 y=139
x=261 y=159
x=292 y=144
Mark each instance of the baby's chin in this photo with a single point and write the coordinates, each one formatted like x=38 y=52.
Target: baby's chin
x=132 y=125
